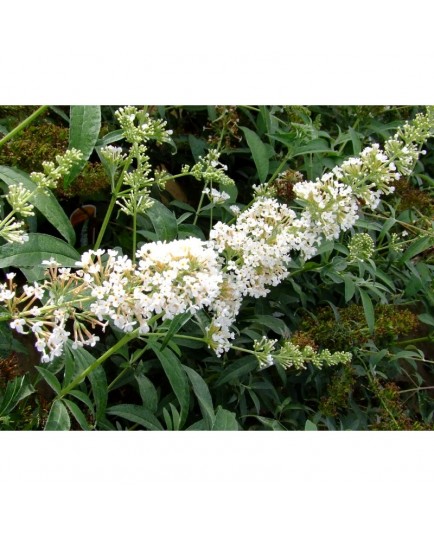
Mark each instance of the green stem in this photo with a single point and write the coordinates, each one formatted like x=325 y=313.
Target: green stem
x=221 y=139
x=281 y=166
x=420 y=339
x=198 y=208
x=377 y=391
x=23 y=125
x=422 y=360
x=245 y=350
x=403 y=243
x=177 y=176
x=138 y=355
x=134 y=234
x=108 y=214
x=249 y=108
x=122 y=342
x=402 y=223
x=135 y=357
x=212 y=208
x=5 y=317
x=416 y=389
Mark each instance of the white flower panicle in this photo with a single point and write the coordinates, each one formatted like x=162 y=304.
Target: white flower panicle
x=191 y=275
x=61 y=294
x=257 y=246
x=169 y=279
x=177 y=277
x=330 y=205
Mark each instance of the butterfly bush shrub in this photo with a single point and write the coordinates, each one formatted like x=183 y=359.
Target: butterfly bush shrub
x=193 y=289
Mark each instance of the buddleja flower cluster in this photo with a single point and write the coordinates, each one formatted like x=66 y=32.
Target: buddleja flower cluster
x=209 y=170
x=245 y=258
x=45 y=309
x=361 y=247
x=138 y=128
x=290 y=355
x=19 y=197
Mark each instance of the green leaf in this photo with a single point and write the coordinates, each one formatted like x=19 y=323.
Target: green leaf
x=417 y=247
x=69 y=369
x=111 y=137
x=368 y=309
x=83 y=398
x=259 y=152
x=310 y=426
x=232 y=191
x=355 y=139
x=388 y=224
x=147 y=391
x=167 y=419
x=44 y=201
x=176 y=375
x=426 y=318
x=77 y=414
x=379 y=274
x=275 y=324
x=163 y=221
x=60 y=113
x=85 y=124
x=175 y=421
x=136 y=414
x=225 y=421
x=318 y=145
x=315 y=146
x=270 y=423
x=16 y=390
x=200 y=389
x=97 y=377
x=175 y=325
x=58 y=418
x=33 y=274
x=200 y=425
x=39 y=247
x=185 y=230
x=198 y=147
x=6 y=340
x=237 y=369
x=50 y=378
x=350 y=287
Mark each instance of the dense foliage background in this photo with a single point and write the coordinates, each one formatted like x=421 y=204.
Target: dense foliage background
x=380 y=309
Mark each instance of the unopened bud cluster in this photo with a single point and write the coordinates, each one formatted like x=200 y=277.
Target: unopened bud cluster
x=139 y=127
x=209 y=170
x=361 y=247
x=18 y=197
x=291 y=355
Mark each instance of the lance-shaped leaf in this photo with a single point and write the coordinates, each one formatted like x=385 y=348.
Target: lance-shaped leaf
x=85 y=124
x=38 y=248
